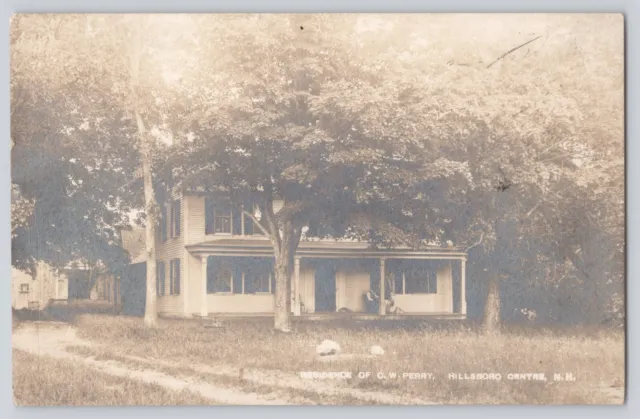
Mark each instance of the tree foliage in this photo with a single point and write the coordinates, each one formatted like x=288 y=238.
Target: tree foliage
x=395 y=129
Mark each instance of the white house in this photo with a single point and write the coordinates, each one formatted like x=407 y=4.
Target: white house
x=211 y=259
x=34 y=292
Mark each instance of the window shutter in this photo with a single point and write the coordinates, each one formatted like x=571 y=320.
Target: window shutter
x=176 y=286
x=172 y=265
x=175 y=219
x=208 y=215
x=163 y=223
x=160 y=278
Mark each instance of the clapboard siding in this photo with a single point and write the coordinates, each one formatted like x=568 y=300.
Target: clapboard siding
x=195 y=219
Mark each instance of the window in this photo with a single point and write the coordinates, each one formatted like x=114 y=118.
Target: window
x=175 y=218
x=223 y=218
x=174 y=275
x=319 y=230
x=419 y=280
x=163 y=223
x=208 y=216
x=257 y=282
x=239 y=276
x=160 y=276
x=249 y=227
x=221 y=280
x=217 y=216
x=24 y=288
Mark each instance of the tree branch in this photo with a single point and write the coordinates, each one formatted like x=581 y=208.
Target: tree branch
x=475 y=244
x=535 y=207
x=257 y=222
x=512 y=50
x=269 y=215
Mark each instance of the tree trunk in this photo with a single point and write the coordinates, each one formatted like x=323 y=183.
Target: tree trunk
x=283 y=268
x=491 y=322
x=150 y=311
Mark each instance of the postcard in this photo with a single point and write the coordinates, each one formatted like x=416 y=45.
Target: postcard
x=302 y=209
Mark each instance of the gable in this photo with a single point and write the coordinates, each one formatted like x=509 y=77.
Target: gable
x=133 y=241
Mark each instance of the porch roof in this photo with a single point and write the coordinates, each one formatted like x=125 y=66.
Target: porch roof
x=320 y=249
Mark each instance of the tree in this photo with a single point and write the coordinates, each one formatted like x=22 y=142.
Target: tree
x=94 y=73
x=509 y=130
x=62 y=206
x=305 y=121
x=533 y=127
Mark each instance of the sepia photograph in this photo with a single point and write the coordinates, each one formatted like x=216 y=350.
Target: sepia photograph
x=318 y=209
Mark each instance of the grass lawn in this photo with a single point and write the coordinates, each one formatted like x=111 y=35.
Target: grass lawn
x=594 y=357
x=45 y=381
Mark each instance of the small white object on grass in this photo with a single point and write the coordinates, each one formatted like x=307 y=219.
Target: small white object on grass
x=328 y=347
x=376 y=350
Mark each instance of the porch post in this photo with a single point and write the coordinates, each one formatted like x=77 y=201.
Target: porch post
x=463 y=286
x=296 y=286
x=203 y=278
x=382 y=307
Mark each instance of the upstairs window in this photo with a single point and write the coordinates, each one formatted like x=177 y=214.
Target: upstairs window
x=249 y=225
x=319 y=230
x=24 y=288
x=217 y=216
x=175 y=218
x=223 y=218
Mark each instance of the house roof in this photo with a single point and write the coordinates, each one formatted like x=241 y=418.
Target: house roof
x=133 y=241
x=321 y=249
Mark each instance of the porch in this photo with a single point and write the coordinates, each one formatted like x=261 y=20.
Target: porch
x=337 y=316
x=329 y=280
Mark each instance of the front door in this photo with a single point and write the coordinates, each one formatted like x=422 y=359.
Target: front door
x=325 y=287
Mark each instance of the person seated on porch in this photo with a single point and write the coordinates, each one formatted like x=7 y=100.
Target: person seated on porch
x=371 y=301
x=392 y=308
x=390 y=304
